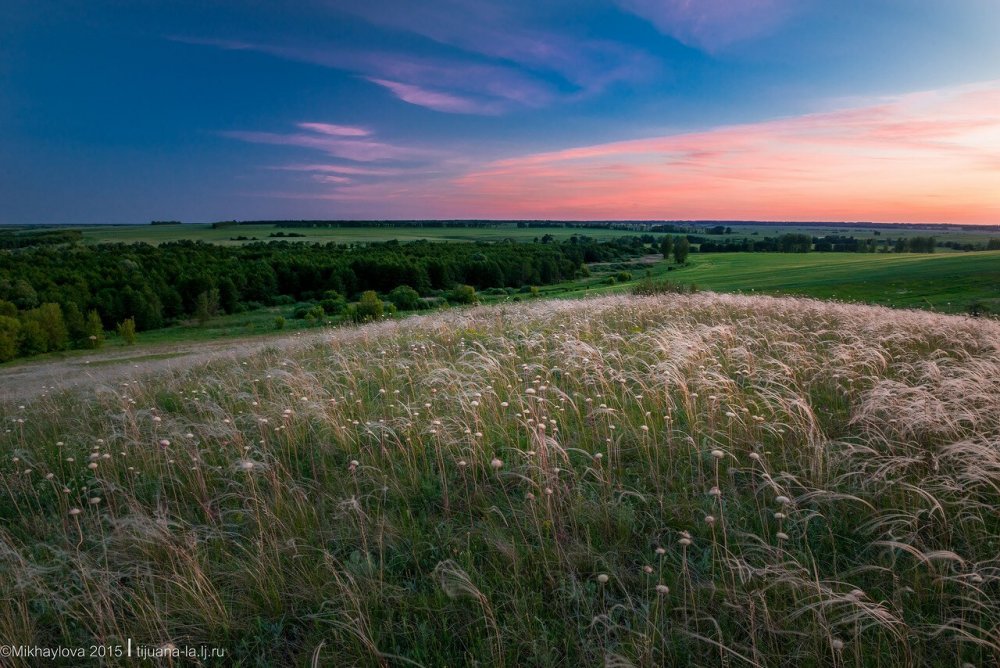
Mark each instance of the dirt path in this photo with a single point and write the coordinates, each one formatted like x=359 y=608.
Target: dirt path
x=22 y=382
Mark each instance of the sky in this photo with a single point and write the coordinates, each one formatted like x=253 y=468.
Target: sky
x=126 y=111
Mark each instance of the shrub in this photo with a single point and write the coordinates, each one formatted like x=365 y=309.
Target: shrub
x=9 y=330
x=279 y=322
x=370 y=307
x=405 y=298
x=94 y=330
x=463 y=294
x=126 y=330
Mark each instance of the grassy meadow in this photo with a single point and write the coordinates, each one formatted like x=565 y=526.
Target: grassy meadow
x=696 y=479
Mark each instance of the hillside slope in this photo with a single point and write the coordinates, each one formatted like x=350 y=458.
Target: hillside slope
x=695 y=479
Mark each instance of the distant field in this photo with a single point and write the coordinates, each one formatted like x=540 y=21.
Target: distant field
x=946 y=282
x=156 y=234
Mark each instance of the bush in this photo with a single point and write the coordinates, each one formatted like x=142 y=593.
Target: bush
x=623 y=276
x=126 y=330
x=94 y=330
x=405 y=298
x=10 y=328
x=369 y=308
x=279 y=322
x=333 y=302
x=463 y=294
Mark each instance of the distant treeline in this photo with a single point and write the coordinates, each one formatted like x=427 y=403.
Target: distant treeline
x=47 y=237
x=55 y=297
x=641 y=226
x=803 y=243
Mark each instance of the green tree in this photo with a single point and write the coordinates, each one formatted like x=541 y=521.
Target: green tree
x=94 y=330
x=206 y=305
x=126 y=330
x=405 y=298
x=666 y=246
x=10 y=330
x=49 y=318
x=370 y=307
x=463 y=294
x=681 y=250
x=8 y=309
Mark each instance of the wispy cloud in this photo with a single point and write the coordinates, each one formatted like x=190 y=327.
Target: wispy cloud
x=335 y=130
x=338 y=141
x=713 y=24
x=436 y=100
x=495 y=60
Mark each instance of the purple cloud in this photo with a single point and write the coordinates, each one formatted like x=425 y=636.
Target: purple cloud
x=349 y=147
x=435 y=100
x=335 y=130
x=712 y=25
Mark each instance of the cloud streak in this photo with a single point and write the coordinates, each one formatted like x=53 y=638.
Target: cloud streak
x=713 y=25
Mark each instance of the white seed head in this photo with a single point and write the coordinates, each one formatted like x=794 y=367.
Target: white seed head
x=662 y=589
x=718 y=454
x=603 y=578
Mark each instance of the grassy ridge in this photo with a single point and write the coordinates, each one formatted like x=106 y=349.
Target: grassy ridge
x=636 y=481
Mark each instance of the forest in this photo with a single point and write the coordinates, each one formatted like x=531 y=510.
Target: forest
x=54 y=297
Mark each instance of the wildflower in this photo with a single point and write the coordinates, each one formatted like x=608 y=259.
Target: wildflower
x=94 y=500
x=754 y=456
x=75 y=511
x=164 y=443
x=245 y=465
x=781 y=535
x=462 y=463
x=603 y=578
x=715 y=491
x=157 y=418
x=352 y=467
x=779 y=516
x=647 y=569
x=662 y=589
x=92 y=466
x=496 y=464
x=709 y=520
x=661 y=551
x=837 y=644
x=783 y=500
x=718 y=454
x=50 y=476
x=529 y=496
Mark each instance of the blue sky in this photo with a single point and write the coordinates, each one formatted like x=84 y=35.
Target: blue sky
x=132 y=111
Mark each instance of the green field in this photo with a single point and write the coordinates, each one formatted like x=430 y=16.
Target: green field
x=947 y=282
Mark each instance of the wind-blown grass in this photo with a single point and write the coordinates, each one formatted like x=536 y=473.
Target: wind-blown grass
x=679 y=479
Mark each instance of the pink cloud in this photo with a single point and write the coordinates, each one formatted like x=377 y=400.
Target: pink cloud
x=336 y=143
x=436 y=100
x=335 y=130
x=341 y=169
x=923 y=157
x=712 y=24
